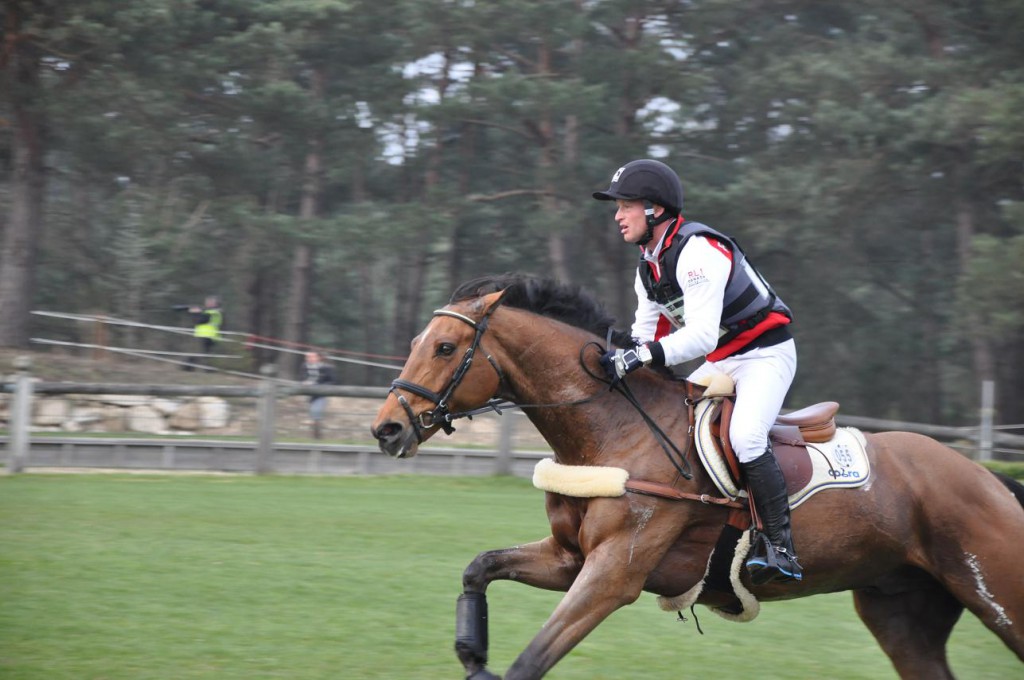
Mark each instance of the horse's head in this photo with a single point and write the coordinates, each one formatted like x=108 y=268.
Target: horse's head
x=447 y=372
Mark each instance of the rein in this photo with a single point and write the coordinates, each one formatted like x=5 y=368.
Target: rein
x=682 y=465
x=680 y=460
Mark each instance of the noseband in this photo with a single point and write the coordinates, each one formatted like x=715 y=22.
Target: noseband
x=441 y=414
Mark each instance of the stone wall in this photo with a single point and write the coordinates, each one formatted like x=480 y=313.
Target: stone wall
x=346 y=419
x=128 y=413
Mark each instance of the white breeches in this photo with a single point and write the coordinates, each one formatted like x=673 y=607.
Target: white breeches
x=762 y=378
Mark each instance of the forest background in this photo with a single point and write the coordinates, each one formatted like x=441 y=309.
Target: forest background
x=334 y=168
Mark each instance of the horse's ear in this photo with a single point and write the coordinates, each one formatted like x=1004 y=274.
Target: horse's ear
x=490 y=301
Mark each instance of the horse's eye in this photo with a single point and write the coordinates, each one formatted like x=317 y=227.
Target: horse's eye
x=445 y=349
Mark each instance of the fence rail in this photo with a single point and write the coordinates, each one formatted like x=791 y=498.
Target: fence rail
x=508 y=445
x=209 y=455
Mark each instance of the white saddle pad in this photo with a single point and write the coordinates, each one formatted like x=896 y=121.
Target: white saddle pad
x=840 y=462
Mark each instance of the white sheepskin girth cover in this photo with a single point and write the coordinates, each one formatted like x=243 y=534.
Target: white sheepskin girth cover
x=580 y=481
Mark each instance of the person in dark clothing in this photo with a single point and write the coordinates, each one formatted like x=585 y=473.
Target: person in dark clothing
x=318 y=372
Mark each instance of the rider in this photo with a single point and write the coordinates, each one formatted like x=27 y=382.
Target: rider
x=698 y=295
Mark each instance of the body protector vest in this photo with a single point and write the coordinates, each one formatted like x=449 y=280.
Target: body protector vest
x=748 y=297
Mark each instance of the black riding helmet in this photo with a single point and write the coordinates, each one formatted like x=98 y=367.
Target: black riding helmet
x=646 y=180
x=650 y=181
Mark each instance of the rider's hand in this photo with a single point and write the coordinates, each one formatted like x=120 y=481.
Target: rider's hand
x=619 y=363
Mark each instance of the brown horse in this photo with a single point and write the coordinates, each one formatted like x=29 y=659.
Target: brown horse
x=930 y=534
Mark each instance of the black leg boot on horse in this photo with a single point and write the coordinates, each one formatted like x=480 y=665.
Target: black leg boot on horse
x=772 y=557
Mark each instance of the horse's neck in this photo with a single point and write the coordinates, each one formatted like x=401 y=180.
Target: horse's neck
x=543 y=375
x=582 y=421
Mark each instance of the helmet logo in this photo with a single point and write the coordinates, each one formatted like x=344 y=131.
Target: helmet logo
x=618 y=173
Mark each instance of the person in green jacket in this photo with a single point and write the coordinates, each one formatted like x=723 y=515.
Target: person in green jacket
x=207 y=321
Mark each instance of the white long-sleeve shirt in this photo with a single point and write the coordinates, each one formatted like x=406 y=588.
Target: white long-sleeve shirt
x=702 y=272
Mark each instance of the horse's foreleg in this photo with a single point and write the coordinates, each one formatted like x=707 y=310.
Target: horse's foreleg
x=542 y=564
x=607 y=582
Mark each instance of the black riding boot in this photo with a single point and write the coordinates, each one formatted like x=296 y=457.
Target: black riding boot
x=772 y=556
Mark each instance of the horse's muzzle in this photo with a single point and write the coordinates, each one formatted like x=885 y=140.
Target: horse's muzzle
x=395 y=439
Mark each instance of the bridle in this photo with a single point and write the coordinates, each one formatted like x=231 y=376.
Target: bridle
x=442 y=415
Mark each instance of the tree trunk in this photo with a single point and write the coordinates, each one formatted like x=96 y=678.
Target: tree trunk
x=297 y=311
x=981 y=345
x=371 y=316
x=924 y=397
x=258 y=323
x=297 y=319
x=557 y=256
x=24 y=225
x=409 y=301
x=468 y=138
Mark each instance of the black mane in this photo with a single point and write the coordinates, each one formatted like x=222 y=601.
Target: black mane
x=566 y=303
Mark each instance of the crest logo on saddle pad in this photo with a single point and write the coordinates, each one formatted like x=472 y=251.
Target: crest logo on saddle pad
x=843 y=455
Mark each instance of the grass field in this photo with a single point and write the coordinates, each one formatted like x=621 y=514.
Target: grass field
x=118 y=577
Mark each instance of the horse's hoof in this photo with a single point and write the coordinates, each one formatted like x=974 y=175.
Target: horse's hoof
x=471 y=657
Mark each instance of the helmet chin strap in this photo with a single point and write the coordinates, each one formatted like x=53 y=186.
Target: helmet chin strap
x=652 y=222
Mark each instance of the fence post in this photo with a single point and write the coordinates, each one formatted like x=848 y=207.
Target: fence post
x=99 y=338
x=985 y=436
x=267 y=409
x=21 y=415
x=504 y=462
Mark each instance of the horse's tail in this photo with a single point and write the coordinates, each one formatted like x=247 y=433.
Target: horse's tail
x=1015 y=487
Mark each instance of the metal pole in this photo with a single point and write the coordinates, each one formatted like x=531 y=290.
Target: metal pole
x=21 y=415
x=508 y=426
x=267 y=419
x=985 y=431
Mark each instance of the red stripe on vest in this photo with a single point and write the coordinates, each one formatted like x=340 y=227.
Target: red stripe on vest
x=664 y=327
x=773 y=320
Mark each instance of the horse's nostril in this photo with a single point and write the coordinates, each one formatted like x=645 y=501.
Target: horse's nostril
x=388 y=430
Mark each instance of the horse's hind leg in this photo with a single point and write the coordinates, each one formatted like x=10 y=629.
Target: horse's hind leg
x=976 y=557
x=912 y=627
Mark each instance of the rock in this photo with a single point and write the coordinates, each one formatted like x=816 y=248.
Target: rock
x=50 y=411
x=164 y=405
x=145 y=418
x=214 y=412
x=84 y=418
x=186 y=417
x=113 y=419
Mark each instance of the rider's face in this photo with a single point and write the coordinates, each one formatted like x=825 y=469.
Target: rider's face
x=631 y=220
